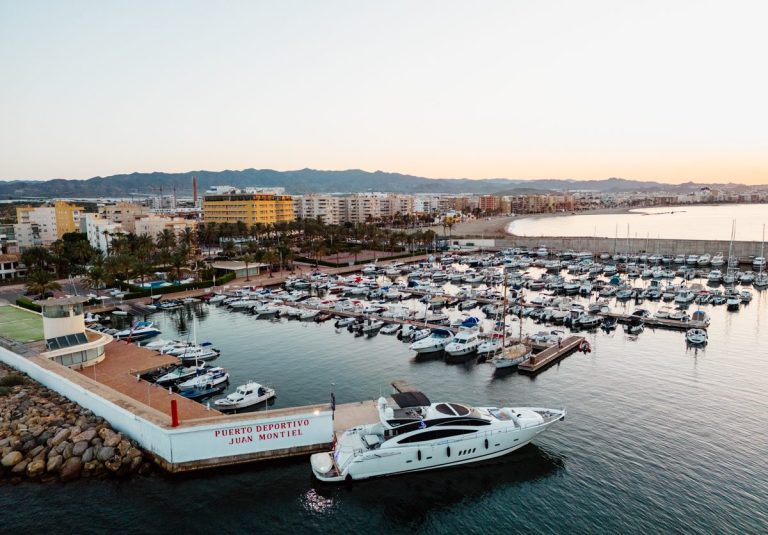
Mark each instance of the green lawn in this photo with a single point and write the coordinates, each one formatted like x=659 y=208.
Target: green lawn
x=20 y=325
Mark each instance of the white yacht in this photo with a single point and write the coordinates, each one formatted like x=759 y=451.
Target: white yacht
x=433 y=343
x=464 y=343
x=414 y=435
x=718 y=260
x=244 y=396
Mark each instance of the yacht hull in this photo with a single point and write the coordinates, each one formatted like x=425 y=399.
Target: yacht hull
x=477 y=447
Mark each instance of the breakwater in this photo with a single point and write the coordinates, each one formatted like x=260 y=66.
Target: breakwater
x=46 y=437
x=741 y=249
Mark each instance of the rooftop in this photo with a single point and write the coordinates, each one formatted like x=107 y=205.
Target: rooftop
x=61 y=301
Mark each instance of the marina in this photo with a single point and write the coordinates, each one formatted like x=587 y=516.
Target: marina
x=373 y=360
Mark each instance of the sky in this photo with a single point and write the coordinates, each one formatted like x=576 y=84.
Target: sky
x=671 y=90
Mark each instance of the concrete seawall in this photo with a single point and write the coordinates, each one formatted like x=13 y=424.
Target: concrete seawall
x=741 y=249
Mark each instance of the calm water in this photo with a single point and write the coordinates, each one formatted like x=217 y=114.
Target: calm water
x=678 y=222
x=659 y=438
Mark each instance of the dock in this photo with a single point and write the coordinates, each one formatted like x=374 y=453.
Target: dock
x=552 y=354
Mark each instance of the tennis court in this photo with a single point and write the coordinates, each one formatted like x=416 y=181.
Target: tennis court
x=20 y=325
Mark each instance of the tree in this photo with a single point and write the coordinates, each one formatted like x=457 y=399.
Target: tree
x=36 y=257
x=248 y=259
x=269 y=257
x=96 y=277
x=39 y=282
x=228 y=249
x=166 y=240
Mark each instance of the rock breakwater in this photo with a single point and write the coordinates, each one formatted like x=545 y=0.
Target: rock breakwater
x=46 y=437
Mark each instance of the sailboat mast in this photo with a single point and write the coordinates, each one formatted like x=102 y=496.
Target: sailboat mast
x=504 y=311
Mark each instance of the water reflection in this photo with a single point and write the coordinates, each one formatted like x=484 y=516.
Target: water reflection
x=406 y=501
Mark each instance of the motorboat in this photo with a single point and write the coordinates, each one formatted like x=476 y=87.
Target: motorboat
x=715 y=276
x=390 y=328
x=512 y=356
x=216 y=299
x=465 y=342
x=491 y=345
x=704 y=260
x=588 y=321
x=181 y=373
x=745 y=296
x=213 y=376
x=309 y=315
x=696 y=336
x=684 y=296
x=371 y=326
x=413 y=434
x=435 y=342
x=246 y=395
x=199 y=354
x=700 y=316
x=204 y=391
x=141 y=330
x=663 y=313
x=679 y=315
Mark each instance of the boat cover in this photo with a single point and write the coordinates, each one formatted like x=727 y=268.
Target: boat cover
x=411 y=399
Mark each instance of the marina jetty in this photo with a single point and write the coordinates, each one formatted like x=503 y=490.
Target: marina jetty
x=44 y=436
x=743 y=250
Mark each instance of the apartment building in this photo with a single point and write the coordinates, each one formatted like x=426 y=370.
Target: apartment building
x=233 y=205
x=153 y=225
x=326 y=208
x=47 y=223
x=101 y=231
x=124 y=213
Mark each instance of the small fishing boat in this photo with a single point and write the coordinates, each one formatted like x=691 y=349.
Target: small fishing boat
x=244 y=396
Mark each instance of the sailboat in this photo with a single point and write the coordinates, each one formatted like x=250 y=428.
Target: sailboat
x=761 y=280
x=515 y=354
x=730 y=278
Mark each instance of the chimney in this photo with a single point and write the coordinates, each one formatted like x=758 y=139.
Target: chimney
x=194 y=190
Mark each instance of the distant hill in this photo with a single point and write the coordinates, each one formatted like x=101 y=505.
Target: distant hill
x=305 y=181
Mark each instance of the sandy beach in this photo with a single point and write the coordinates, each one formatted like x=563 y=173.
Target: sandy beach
x=496 y=226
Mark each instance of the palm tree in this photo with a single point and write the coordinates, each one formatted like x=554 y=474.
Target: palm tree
x=248 y=259
x=39 y=282
x=270 y=257
x=228 y=249
x=166 y=239
x=95 y=277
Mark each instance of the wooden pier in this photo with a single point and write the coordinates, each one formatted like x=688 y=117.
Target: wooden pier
x=553 y=353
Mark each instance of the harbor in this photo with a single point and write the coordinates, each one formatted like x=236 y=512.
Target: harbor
x=342 y=374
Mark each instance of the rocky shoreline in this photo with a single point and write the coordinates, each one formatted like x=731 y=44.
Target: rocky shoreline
x=46 y=437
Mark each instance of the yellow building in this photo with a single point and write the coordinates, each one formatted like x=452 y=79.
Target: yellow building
x=250 y=208
x=54 y=220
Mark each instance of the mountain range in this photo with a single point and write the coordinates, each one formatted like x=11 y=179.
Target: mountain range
x=311 y=180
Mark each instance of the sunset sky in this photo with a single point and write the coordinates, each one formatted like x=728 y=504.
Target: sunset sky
x=651 y=90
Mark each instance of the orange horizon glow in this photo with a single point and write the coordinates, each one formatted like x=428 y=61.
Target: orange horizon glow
x=659 y=91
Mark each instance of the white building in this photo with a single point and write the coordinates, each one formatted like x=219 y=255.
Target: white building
x=155 y=224
x=29 y=235
x=101 y=231
x=327 y=208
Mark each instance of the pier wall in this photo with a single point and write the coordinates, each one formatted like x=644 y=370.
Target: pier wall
x=741 y=249
x=196 y=444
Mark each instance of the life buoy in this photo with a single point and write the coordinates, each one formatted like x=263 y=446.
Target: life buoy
x=584 y=347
